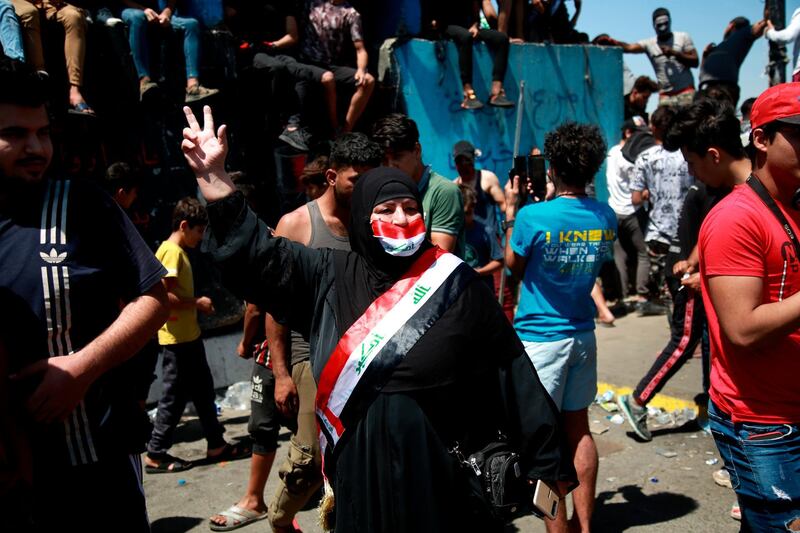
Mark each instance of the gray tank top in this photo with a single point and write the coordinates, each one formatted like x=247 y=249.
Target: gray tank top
x=321 y=234
x=321 y=237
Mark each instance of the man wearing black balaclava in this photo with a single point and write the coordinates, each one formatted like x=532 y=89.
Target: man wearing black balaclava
x=672 y=55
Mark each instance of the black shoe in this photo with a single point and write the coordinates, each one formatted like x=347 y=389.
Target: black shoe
x=297 y=138
x=649 y=308
x=471 y=102
x=500 y=100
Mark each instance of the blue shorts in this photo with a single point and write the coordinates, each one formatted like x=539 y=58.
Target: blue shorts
x=567 y=369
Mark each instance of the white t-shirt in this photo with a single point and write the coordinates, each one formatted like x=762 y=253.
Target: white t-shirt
x=619 y=172
x=672 y=75
x=790 y=33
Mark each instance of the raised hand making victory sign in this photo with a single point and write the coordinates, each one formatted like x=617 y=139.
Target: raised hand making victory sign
x=205 y=151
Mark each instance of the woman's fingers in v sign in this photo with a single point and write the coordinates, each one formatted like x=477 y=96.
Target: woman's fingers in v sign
x=190 y=135
x=191 y=119
x=208 y=119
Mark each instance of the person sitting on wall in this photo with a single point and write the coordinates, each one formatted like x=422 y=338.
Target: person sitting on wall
x=74 y=22
x=332 y=29
x=459 y=21
x=139 y=15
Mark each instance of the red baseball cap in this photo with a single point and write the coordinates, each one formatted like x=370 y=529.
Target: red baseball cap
x=780 y=102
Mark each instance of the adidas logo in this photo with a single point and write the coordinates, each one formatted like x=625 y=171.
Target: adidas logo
x=53 y=257
x=257 y=380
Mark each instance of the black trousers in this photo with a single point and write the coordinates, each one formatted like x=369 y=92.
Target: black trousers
x=629 y=244
x=109 y=494
x=275 y=74
x=688 y=325
x=187 y=377
x=497 y=42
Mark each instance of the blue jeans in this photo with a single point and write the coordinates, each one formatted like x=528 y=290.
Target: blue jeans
x=137 y=33
x=10 y=33
x=764 y=463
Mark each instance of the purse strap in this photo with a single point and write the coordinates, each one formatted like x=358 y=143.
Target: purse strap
x=762 y=193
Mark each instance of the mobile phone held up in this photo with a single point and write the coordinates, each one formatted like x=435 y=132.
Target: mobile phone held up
x=545 y=500
x=531 y=170
x=537 y=175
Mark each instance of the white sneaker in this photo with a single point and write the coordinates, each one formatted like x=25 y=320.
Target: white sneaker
x=113 y=21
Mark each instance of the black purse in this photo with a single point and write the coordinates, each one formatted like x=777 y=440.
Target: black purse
x=499 y=473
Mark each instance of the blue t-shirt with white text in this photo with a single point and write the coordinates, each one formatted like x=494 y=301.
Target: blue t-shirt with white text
x=565 y=241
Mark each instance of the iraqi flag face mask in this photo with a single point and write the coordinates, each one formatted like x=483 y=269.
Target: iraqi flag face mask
x=399 y=241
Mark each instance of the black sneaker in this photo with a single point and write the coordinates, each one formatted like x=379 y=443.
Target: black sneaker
x=649 y=308
x=471 y=102
x=500 y=100
x=636 y=415
x=297 y=138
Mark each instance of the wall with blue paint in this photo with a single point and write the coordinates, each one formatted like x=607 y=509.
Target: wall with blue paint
x=580 y=83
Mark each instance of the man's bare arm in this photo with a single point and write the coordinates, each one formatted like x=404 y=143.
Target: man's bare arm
x=688 y=59
x=294 y=226
x=253 y=315
x=492 y=186
x=286 y=399
x=202 y=303
x=290 y=39
x=516 y=263
x=628 y=48
x=362 y=61
x=489 y=268
x=65 y=380
x=745 y=320
x=489 y=11
x=445 y=241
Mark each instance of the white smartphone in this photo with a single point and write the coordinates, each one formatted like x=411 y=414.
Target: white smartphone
x=545 y=499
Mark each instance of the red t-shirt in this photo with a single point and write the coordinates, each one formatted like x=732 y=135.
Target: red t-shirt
x=741 y=237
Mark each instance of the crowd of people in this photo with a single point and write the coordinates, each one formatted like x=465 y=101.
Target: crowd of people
x=371 y=311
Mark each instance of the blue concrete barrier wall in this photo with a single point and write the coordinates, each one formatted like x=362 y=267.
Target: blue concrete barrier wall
x=580 y=83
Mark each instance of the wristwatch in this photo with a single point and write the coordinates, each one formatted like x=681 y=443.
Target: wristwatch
x=508 y=224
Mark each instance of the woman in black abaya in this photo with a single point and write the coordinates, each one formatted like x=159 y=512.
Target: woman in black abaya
x=463 y=380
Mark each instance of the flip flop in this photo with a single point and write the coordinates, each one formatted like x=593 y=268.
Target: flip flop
x=167 y=464
x=236 y=517
x=231 y=452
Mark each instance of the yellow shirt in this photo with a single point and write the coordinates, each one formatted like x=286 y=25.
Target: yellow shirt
x=182 y=323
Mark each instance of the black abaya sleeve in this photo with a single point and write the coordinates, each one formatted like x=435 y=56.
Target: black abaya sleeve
x=277 y=274
x=534 y=420
x=531 y=418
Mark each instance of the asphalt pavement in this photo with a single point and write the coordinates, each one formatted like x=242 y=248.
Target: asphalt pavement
x=664 y=484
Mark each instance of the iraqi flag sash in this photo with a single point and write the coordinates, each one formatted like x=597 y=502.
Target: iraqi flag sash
x=378 y=341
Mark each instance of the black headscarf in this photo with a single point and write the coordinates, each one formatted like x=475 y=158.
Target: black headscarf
x=369 y=272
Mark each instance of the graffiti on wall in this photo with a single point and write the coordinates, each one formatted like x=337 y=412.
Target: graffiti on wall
x=562 y=83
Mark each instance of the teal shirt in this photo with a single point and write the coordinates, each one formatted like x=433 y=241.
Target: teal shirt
x=442 y=208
